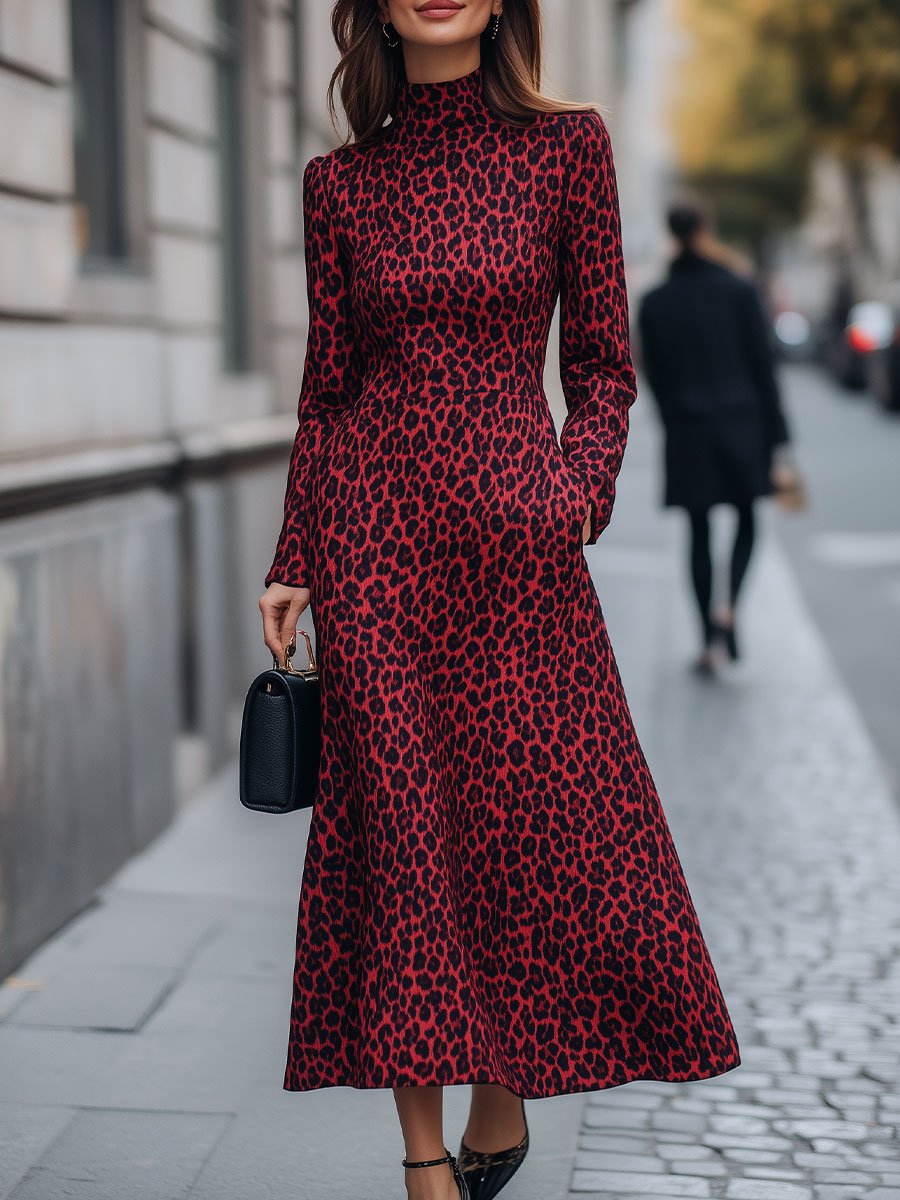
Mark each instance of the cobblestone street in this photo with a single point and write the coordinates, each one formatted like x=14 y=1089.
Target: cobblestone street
x=790 y=841
x=141 y=1049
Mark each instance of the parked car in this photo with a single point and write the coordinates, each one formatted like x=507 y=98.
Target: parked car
x=840 y=357
x=843 y=359
x=873 y=335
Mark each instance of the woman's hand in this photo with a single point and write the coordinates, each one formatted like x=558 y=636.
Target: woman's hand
x=281 y=607
x=586 y=528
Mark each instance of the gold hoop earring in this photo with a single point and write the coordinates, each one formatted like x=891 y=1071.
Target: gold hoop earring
x=384 y=30
x=496 y=25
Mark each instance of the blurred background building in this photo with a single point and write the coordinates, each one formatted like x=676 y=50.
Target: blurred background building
x=152 y=316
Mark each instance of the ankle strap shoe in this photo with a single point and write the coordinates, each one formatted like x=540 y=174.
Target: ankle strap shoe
x=458 y=1177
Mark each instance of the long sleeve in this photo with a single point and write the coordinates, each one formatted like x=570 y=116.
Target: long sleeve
x=331 y=369
x=652 y=355
x=596 y=370
x=762 y=367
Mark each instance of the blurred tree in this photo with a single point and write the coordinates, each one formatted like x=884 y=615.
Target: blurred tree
x=847 y=60
x=765 y=84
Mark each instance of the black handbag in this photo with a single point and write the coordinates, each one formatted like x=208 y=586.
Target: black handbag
x=281 y=737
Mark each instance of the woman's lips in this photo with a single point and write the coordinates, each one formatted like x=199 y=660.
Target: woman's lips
x=439 y=8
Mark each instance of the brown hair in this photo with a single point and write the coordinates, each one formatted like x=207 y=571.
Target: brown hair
x=370 y=70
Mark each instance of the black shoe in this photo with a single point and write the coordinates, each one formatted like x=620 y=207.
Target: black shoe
x=728 y=635
x=486 y=1174
x=704 y=664
x=458 y=1176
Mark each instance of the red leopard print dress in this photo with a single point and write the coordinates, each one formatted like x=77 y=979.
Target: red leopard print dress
x=490 y=891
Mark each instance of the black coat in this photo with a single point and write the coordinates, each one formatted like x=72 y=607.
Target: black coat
x=709 y=363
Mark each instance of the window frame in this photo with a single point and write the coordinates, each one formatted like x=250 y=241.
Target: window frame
x=121 y=287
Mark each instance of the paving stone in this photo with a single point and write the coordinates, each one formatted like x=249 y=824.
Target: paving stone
x=759 y=1189
x=675 y=1122
x=107 y=1155
x=96 y=997
x=689 y=1105
x=131 y=929
x=732 y=1140
x=784 y=1096
x=840 y=1130
x=752 y=1079
x=617 y=1143
x=857 y=1177
x=656 y=1087
x=691 y=1153
x=57 y=1066
x=11 y=995
x=789 y=1174
x=886 y=1075
x=621 y=1184
x=590 y=1160
x=600 y=1117
x=713 y=1169
x=830 y=1146
x=799 y=1083
x=712 y=1089
x=624 y=1098
x=745 y=1126
x=747 y=1110
x=859 y=1084
x=753 y=1156
x=818 y=1161
x=856 y=1100
x=809 y=1112
x=25 y=1133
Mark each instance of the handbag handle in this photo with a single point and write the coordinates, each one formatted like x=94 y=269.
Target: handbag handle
x=311 y=671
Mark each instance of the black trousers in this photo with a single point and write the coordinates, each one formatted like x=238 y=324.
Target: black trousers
x=702 y=565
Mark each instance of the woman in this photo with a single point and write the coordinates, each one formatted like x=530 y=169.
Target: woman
x=490 y=893
x=708 y=361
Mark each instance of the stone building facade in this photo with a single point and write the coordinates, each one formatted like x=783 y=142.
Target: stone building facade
x=152 y=317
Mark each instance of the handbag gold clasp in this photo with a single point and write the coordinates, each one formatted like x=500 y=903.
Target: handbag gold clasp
x=310 y=671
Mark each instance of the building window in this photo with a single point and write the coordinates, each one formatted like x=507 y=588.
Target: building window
x=99 y=115
x=230 y=96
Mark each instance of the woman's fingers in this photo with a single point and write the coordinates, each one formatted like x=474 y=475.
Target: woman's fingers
x=288 y=629
x=271 y=628
x=281 y=607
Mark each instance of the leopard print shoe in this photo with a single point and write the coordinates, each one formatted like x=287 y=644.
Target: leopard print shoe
x=486 y=1174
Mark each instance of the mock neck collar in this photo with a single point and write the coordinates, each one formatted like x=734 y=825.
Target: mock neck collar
x=446 y=103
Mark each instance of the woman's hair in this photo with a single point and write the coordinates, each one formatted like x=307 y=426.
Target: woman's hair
x=370 y=70
x=686 y=219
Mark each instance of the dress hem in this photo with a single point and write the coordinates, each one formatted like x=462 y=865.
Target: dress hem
x=471 y=1078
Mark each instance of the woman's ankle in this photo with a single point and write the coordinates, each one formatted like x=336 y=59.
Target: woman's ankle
x=496 y=1121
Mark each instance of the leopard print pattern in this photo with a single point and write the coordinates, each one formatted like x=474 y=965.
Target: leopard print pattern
x=490 y=891
x=479 y=1162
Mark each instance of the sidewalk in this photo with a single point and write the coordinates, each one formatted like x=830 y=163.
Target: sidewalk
x=147 y=1062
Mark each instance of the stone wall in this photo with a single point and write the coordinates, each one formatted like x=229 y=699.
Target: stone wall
x=140 y=481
